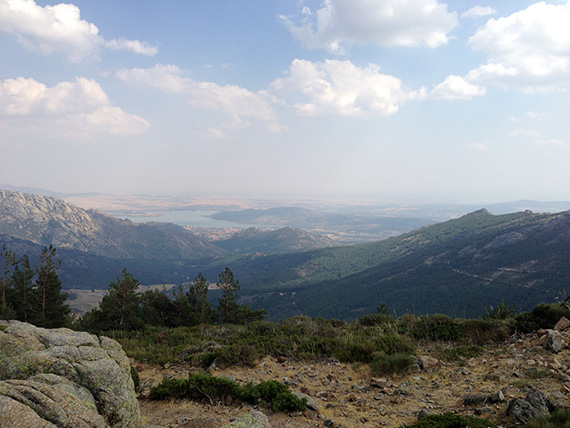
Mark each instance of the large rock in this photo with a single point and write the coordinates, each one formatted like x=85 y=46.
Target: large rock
x=552 y=340
x=63 y=378
x=536 y=404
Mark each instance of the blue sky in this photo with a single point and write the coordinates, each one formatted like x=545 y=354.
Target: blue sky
x=393 y=99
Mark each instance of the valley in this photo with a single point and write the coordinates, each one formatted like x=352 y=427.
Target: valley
x=474 y=260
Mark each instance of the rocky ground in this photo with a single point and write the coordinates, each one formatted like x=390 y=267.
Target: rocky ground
x=348 y=395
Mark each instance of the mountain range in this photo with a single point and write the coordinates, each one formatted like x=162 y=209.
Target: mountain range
x=91 y=243
x=455 y=267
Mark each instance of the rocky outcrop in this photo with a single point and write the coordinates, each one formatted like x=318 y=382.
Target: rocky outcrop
x=536 y=404
x=63 y=378
x=50 y=221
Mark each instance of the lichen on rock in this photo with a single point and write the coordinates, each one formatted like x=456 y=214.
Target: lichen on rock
x=64 y=378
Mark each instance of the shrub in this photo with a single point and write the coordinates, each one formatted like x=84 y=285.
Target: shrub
x=392 y=344
x=395 y=363
x=535 y=373
x=449 y=420
x=272 y=394
x=542 y=316
x=376 y=319
x=501 y=312
x=454 y=353
x=242 y=353
x=560 y=418
x=481 y=332
x=204 y=386
x=436 y=327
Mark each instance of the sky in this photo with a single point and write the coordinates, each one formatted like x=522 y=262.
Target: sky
x=391 y=99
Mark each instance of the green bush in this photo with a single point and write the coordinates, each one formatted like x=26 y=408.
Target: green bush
x=436 y=327
x=394 y=363
x=501 y=312
x=542 y=316
x=200 y=387
x=484 y=331
x=535 y=373
x=272 y=394
x=376 y=319
x=449 y=420
x=560 y=418
x=454 y=353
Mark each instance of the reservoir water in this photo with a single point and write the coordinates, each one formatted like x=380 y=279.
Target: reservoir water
x=195 y=218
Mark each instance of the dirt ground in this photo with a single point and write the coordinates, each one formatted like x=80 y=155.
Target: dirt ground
x=351 y=396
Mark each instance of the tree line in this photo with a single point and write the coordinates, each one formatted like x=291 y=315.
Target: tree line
x=34 y=295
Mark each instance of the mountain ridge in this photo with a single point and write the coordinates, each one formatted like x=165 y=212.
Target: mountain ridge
x=46 y=220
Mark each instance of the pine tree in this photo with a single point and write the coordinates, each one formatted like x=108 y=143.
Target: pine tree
x=48 y=307
x=184 y=313
x=157 y=308
x=120 y=309
x=228 y=308
x=198 y=299
x=22 y=280
x=9 y=261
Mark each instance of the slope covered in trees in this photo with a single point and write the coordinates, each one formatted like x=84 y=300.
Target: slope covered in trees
x=455 y=267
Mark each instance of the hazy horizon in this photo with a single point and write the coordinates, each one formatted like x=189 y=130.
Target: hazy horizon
x=403 y=102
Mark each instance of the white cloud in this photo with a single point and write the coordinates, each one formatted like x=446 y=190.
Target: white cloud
x=340 y=88
x=478 y=11
x=456 y=87
x=70 y=108
x=135 y=46
x=58 y=28
x=239 y=103
x=528 y=50
x=341 y=23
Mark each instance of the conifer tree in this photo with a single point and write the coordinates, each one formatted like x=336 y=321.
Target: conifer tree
x=198 y=299
x=157 y=308
x=21 y=297
x=48 y=307
x=184 y=313
x=9 y=261
x=120 y=309
x=228 y=308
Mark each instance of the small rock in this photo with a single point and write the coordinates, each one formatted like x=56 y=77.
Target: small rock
x=484 y=410
x=424 y=413
x=493 y=377
x=497 y=397
x=474 y=399
x=425 y=362
x=311 y=404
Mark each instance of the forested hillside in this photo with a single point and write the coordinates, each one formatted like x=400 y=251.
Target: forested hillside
x=455 y=267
